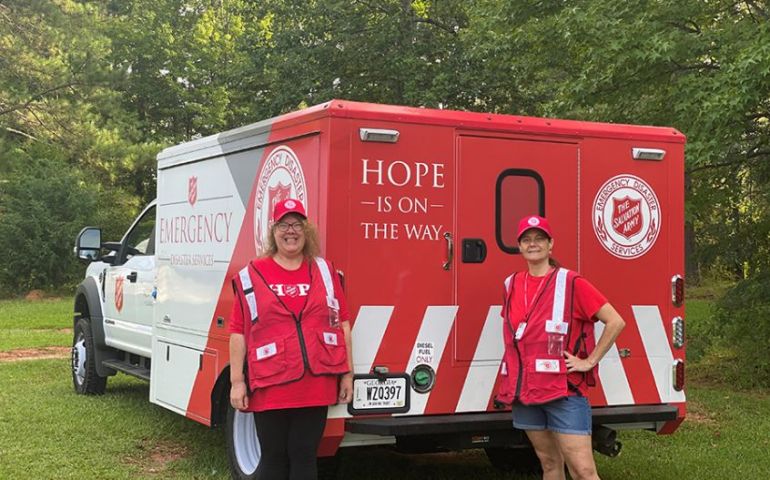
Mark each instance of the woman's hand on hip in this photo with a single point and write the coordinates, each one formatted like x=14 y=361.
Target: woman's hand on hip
x=576 y=364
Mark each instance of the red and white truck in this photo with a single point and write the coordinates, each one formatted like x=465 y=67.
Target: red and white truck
x=417 y=208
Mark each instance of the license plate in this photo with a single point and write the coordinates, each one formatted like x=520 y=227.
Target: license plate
x=380 y=394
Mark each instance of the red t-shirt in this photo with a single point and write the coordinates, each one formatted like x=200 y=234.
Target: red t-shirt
x=587 y=299
x=291 y=286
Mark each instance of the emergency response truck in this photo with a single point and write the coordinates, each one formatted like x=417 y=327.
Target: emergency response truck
x=417 y=208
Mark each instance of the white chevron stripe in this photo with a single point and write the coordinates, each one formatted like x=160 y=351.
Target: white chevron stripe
x=436 y=325
x=370 y=326
x=617 y=391
x=658 y=350
x=486 y=362
x=367 y=334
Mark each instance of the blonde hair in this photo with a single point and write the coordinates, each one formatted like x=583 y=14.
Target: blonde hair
x=311 y=248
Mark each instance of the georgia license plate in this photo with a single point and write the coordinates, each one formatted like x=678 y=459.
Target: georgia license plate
x=390 y=393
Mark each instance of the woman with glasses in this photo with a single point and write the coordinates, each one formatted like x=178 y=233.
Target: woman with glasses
x=290 y=350
x=550 y=353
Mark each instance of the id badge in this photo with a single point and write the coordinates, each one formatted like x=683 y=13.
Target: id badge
x=334 y=311
x=520 y=330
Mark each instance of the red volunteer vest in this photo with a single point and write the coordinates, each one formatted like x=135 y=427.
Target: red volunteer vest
x=529 y=374
x=281 y=346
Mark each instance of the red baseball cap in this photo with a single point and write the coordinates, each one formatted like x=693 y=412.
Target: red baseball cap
x=286 y=207
x=534 y=221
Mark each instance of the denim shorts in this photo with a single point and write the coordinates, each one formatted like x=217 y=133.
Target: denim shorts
x=570 y=415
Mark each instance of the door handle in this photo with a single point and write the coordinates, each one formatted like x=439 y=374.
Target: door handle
x=131 y=277
x=450 y=250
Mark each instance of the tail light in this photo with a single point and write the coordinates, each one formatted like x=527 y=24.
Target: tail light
x=678 y=375
x=677 y=290
x=677 y=332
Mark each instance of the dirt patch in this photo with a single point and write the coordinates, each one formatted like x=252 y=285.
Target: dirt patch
x=34 y=295
x=152 y=457
x=44 y=330
x=700 y=418
x=21 y=354
x=697 y=413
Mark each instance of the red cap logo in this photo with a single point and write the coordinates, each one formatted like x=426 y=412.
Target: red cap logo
x=286 y=207
x=534 y=221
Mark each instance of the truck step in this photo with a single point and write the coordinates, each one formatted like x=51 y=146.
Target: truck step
x=490 y=421
x=128 y=368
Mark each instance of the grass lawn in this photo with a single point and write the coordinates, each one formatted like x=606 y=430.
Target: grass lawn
x=46 y=431
x=49 y=432
x=40 y=323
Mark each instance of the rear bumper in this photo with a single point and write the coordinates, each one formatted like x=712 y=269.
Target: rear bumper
x=635 y=416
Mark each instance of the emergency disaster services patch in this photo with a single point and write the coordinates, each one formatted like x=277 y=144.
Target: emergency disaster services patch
x=626 y=216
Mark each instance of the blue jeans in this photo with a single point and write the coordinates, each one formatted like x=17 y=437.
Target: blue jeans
x=570 y=415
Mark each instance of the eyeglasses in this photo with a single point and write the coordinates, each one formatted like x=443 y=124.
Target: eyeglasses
x=284 y=227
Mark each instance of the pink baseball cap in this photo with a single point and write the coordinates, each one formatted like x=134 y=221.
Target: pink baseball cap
x=534 y=221
x=286 y=207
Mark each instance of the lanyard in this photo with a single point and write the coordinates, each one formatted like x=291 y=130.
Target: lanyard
x=535 y=297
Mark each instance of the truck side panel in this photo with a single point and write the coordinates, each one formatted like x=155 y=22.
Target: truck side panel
x=287 y=167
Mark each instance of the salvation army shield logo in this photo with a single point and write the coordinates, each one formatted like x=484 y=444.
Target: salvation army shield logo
x=192 y=190
x=281 y=177
x=626 y=216
x=119 y=293
x=278 y=194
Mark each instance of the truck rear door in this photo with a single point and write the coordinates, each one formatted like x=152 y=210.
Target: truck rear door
x=501 y=179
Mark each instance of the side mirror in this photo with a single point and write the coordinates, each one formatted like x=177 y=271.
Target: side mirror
x=88 y=244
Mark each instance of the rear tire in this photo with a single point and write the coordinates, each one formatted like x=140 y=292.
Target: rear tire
x=85 y=379
x=509 y=459
x=243 y=450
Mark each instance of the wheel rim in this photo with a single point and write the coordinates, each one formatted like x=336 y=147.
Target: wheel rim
x=79 y=359
x=245 y=442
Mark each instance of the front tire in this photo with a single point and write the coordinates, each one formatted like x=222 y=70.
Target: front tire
x=243 y=450
x=85 y=379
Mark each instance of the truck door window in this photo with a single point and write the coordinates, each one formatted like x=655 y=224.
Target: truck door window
x=141 y=238
x=519 y=193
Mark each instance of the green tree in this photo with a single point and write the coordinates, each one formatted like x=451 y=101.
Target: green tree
x=702 y=67
x=44 y=202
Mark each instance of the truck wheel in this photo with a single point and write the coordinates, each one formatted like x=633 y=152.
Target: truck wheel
x=520 y=460
x=243 y=451
x=84 y=377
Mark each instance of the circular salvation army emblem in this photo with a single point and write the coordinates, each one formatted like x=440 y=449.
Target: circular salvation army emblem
x=626 y=216
x=280 y=177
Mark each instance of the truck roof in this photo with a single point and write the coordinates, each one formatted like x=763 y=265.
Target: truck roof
x=255 y=134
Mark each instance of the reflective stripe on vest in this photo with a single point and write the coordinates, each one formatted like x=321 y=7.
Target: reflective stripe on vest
x=248 y=292
x=326 y=276
x=557 y=323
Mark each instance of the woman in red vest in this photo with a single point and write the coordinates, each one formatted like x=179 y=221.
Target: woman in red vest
x=290 y=326
x=550 y=354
